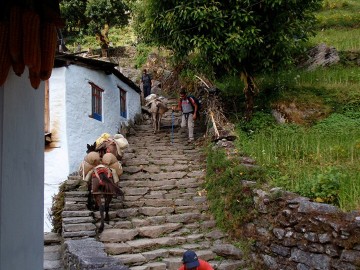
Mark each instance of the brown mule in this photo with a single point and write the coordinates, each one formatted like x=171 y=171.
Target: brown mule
x=101 y=187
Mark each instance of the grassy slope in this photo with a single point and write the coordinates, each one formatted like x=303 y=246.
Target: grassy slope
x=321 y=160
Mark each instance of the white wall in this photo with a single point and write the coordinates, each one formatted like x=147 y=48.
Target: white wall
x=56 y=159
x=21 y=174
x=133 y=99
x=71 y=126
x=82 y=129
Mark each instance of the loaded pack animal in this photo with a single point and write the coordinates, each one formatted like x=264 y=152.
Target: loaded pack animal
x=102 y=188
x=158 y=106
x=101 y=169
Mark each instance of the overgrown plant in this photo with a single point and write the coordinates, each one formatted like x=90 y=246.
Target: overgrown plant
x=142 y=52
x=58 y=203
x=231 y=202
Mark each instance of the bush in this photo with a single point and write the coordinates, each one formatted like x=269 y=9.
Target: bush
x=231 y=202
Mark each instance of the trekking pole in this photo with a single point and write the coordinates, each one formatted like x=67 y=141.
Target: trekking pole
x=172 y=126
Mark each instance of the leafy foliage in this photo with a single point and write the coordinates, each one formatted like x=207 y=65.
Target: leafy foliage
x=101 y=12
x=90 y=16
x=254 y=35
x=74 y=12
x=230 y=37
x=326 y=186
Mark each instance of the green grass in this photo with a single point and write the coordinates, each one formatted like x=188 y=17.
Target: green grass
x=339 y=14
x=342 y=40
x=338 y=25
x=320 y=162
x=336 y=86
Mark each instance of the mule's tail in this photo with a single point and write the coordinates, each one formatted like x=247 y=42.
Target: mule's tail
x=110 y=186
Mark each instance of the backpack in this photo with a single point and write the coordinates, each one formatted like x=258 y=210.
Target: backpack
x=197 y=101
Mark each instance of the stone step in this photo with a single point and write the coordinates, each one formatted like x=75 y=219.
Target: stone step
x=53 y=258
x=164 y=210
x=141 y=184
x=170 y=258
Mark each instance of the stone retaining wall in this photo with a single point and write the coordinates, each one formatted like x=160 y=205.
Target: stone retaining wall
x=88 y=254
x=291 y=232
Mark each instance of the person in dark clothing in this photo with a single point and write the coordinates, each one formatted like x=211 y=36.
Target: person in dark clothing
x=146 y=82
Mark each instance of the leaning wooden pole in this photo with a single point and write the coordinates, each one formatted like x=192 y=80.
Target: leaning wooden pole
x=214 y=124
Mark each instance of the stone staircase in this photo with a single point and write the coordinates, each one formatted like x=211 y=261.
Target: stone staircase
x=164 y=211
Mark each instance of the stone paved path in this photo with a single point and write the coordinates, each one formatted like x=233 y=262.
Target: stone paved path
x=164 y=212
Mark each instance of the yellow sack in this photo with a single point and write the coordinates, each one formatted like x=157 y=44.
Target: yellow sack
x=102 y=138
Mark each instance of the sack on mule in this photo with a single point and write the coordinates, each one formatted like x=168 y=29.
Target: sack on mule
x=88 y=175
x=110 y=160
x=102 y=138
x=121 y=141
x=117 y=167
x=121 y=144
x=90 y=161
x=115 y=176
x=150 y=97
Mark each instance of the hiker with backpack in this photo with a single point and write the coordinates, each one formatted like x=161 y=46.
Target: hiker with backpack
x=189 y=108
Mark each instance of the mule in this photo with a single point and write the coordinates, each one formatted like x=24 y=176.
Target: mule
x=157 y=108
x=102 y=188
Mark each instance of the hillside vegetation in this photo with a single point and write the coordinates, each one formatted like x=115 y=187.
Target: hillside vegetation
x=316 y=153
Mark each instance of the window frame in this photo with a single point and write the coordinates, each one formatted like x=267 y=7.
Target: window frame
x=96 y=102
x=123 y=102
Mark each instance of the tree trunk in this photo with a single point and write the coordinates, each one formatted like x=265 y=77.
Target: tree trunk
x=249 y=92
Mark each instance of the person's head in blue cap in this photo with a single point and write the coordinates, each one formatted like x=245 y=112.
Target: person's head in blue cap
x=190 y=259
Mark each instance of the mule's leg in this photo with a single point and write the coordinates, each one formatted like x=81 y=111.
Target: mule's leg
x=154 y=122
x=95 y=188
x=101 y=208
x=108 y=199
x=159 y=121
x=90 y=201
x=101 y=228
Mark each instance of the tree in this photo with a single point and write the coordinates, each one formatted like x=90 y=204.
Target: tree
x=95 y=16
x=242 y=37
x=102 y=14
x=74 y=12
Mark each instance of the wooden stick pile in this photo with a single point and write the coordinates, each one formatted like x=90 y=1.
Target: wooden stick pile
x=212 y=105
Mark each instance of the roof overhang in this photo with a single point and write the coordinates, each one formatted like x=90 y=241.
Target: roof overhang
x=65 y=59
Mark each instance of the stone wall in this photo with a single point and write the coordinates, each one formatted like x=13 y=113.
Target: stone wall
x=291 y=232
x=88 y=254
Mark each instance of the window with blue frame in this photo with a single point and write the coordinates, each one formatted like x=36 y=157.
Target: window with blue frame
x=96 y=101
x=123 y=108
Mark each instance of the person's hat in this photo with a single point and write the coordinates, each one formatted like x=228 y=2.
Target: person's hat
x=190 y=259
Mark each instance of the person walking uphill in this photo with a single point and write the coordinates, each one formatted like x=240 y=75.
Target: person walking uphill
x=189 y=109
x=146 y=82
x=191 y=262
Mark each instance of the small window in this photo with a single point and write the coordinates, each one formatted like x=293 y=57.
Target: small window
x=123 y=109
x=96 y=102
